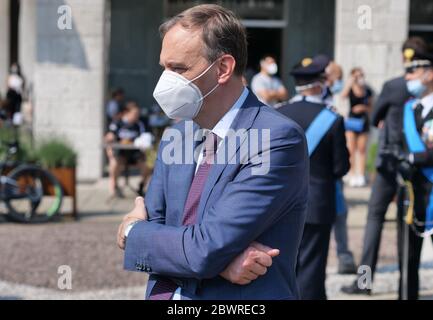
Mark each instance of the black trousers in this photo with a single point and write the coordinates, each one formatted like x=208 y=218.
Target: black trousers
x=382 y=194
x=312 y=259
x=422 y=192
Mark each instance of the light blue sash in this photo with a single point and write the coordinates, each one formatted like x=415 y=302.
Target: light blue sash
x=416 y=145
x=318 y=129
x=315 y=133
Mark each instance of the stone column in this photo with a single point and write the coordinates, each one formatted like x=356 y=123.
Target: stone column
x=4 y=45
x=377 y=49
x=69 y=78
x=27 y=39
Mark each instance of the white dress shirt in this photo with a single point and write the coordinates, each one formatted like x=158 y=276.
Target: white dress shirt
x=223 y=126
x=427 y=104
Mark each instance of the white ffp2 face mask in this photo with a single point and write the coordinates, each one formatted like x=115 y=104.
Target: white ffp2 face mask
x=272 y=69
x=179 y=97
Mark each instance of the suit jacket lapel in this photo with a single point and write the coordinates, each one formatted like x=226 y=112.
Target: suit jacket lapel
x=243 y=121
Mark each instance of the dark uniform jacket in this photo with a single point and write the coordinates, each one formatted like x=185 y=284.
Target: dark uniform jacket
x=328 y=163
x=422 y=186
x=389 y=108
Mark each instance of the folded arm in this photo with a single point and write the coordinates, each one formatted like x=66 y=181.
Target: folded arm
x=249 y=205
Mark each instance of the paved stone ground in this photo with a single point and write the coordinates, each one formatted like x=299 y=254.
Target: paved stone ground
x=31 y=254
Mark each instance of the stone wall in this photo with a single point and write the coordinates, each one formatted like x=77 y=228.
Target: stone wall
x=4 y=45
x=70 y=77
x=378 y=49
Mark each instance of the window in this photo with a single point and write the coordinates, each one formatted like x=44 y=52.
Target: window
x=421 y=19
x=246 y=9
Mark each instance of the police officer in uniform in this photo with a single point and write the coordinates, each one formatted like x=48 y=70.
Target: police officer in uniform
x=387 y=115
x=418 y=152
x=329 y=163
x=334 y=86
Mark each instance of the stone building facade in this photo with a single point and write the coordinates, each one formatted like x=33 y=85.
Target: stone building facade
x=112 y=43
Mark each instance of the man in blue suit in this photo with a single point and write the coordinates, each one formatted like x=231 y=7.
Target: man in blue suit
x=207 y=227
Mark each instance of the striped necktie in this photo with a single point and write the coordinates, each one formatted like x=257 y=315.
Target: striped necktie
x=165 y=288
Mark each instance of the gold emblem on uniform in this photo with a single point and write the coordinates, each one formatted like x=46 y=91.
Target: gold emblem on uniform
x=409 y=53
x=306 y=62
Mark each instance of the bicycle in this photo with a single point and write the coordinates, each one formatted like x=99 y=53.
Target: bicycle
x=30 y=193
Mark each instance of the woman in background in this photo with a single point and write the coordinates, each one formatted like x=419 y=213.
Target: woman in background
x=15 y=90
x=357 y=125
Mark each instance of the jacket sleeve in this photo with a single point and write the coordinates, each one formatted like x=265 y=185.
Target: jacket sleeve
x=250 y=204
x=155 y=196
x=381 y=106
x=341 y=161
x=155 y=206
x=424 y=159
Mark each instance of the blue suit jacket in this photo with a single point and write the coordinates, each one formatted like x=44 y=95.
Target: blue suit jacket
x=236 y=208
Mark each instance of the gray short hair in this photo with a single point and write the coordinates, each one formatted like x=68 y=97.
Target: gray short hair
x=222 y=32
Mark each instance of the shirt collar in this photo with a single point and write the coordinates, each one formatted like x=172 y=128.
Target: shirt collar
x=224 y=125
x=427 y=103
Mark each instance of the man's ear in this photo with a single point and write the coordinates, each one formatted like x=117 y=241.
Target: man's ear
x=226 y=68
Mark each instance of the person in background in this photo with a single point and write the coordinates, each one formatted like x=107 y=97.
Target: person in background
x=115 y=105
x=387 y=115
x=334 y=82
x=15 y=90
x=329 y=162
x=418 y=152
x=357 y=125
x=125 y=131
x=334 y=85
x=266 y=85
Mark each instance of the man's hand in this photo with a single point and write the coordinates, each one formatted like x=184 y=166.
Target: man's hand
x=139 y=213
x=251 y=264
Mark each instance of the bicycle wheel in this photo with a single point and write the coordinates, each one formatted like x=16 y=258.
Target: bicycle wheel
x=33 y=195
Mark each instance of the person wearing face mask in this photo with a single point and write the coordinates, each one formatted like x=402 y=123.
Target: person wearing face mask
x=334 y=82
x=357 y=125
x=215 y=226
x=418 y=152
x=387 y=116
x=15 y=91
x=126 y=131
x=329 y=162
x=266 y=85
x=334 y=86
x=333 y=79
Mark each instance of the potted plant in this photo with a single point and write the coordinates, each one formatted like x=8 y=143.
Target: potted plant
x=60 y=159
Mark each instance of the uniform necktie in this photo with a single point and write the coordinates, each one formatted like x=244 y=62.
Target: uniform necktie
x=418 y=116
